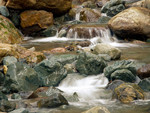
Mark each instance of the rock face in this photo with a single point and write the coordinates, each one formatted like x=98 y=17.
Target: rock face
x=98 y=109
x=123 y=70
x=90 y=64
x=35 y=19
x=127 y=93
x=145 y=84
x=144 y=72
x=57 y=7
x=8 y=32
x=54 y=100
x=103 y=48
x=127 y=24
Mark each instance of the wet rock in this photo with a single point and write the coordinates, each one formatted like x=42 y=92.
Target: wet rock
x=144 y=72
x=104 y=19
x=114 y=84
x=145 y=84
x=90 y=64
x=89 y=15
x=127 y=93
x=21 y=78
x=98 y=109
x=15 y=96
x=56 y=7
x=51 y=71
x=112 y=8
x=123 y=70
x=38 y=19
x=2 y=78
x=2 y=96
x=21 y=110
x=54 y=100
x=70 y=68
x=125 y=24
x=103 y=48
x=6 y=106
x=4 y=11
x=9 y=60
x=8 y=32
x=106 y=57
x=26 y=94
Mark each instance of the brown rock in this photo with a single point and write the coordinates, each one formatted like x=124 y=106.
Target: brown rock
x=127 y=24
x=128 y=92
x=144 y=72
x=57 y=7
x=8 y=32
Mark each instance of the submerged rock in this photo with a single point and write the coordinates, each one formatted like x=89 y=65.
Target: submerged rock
x=123 y=70
x=103 y=48
x=90 y=64
x=145 y=84
x=6 y=106
x=54 y=100
x=125 y=24
x=127 y=93
x=8 y=32
x=98 y=109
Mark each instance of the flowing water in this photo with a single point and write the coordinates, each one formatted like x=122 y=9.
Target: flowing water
x=90 y=90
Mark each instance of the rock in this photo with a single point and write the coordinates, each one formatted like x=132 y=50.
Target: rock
x=9 y=60
x=144 y=72
x=8 y=32
x=128 y=92
x=15 y=96
x=123 y=70
x=114 y=84
x=89 y=15
x=104 y=48
x=21 y=78
x=90 y=64
x=2 y=2
x=51 y=71
x=2 y=96
x=125 y=24
x=112 y=8
x=54 y=100
x=136 y=4
x=89 y=4
x=2 y=78
x=104 y=19
x=97 y=109
x=35 y=19
x=147 y=4
x=58 y=50
x=70 y=68
x=145 y=84
x=20 y=110
x=56 y=7
x=6 y=106
x=4 y=11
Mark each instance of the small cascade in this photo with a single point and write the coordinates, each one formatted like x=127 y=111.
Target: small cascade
x=87 y=88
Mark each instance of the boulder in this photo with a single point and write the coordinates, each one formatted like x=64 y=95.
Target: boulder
x=104 y=48
x=144 y=72
x=145 y=84
x=90 y=64
x=20 y=77
x=127 y=24
x=35 y=19
x=54 y=100
x=7 y=106
x=98 y=109
x=4 y=11
x=56 y=7
x=128 y=92
x=123 y=70
x=8 y=32
x=9 y=60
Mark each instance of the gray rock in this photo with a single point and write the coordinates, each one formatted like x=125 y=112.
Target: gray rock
x=21 y=110
x=114 y=84
x=145 y=84
x=119 y=68
x=54 y=100
x=104 y=19
x=2 y=78
x=6 y=106
x=90 y=64
x=9 y=60
x=4 y=11
x=15 y=96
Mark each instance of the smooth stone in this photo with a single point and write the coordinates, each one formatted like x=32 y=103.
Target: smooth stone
x=144 y=72
x=145 y=84
x=4 y=11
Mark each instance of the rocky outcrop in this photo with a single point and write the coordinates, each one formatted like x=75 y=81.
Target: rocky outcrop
x=103 y=48
x=8 y=32
x=127 y=93
x=57 y=7
x=127 y=24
